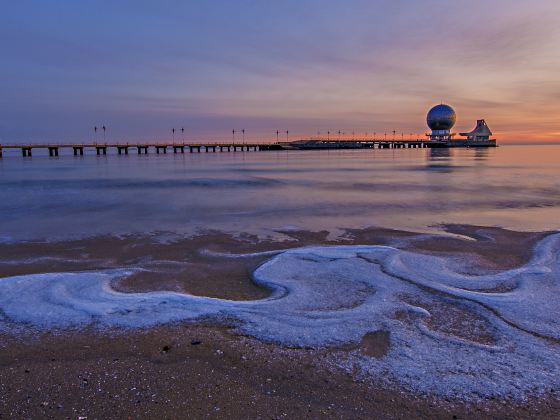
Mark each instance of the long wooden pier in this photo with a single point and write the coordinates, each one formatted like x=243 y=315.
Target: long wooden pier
x=140 y=148
x=79 y=149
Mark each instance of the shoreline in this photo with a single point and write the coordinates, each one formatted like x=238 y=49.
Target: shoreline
x=167 y=350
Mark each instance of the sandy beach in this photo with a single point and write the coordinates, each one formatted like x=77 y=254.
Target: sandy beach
x=207 y=369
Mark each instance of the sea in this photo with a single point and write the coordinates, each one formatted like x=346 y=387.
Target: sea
x=56 y=198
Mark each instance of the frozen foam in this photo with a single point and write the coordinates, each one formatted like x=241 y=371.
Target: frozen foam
x=330 y=296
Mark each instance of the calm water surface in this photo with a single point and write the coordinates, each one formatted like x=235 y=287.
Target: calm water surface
x=54 y=198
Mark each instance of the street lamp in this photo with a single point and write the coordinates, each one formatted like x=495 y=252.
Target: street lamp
x=233 y=138
x=243 y=132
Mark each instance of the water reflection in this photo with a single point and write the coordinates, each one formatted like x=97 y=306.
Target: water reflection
x=439 y=160
x=481 y=153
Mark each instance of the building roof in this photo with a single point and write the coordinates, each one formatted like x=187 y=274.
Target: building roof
x=481 y=129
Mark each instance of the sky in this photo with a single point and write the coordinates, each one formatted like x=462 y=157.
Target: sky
x=307 y=66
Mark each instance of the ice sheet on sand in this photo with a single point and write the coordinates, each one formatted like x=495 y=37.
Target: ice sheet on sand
x=328 y=296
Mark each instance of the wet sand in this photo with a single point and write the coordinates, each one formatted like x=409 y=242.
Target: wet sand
x=205 y=370
x=202 y=371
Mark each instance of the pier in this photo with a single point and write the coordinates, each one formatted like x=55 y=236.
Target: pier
x=139 y=148
x=79 y=149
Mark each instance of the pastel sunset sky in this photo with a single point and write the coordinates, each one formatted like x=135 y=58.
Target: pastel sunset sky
x=143 y=67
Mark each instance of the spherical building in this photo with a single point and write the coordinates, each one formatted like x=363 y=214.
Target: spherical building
x=441 y=119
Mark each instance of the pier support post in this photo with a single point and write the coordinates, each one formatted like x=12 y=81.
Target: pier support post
x=26 y=151
x=53 y=151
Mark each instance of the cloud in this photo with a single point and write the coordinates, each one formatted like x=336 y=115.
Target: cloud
x=316 y=64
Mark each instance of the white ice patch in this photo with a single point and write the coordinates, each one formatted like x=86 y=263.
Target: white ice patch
x=328 y=296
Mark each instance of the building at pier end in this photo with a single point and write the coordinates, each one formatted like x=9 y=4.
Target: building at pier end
x=441 y=119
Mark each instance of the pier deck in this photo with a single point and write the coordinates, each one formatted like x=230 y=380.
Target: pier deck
x=78 y=149
x=140 y=148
